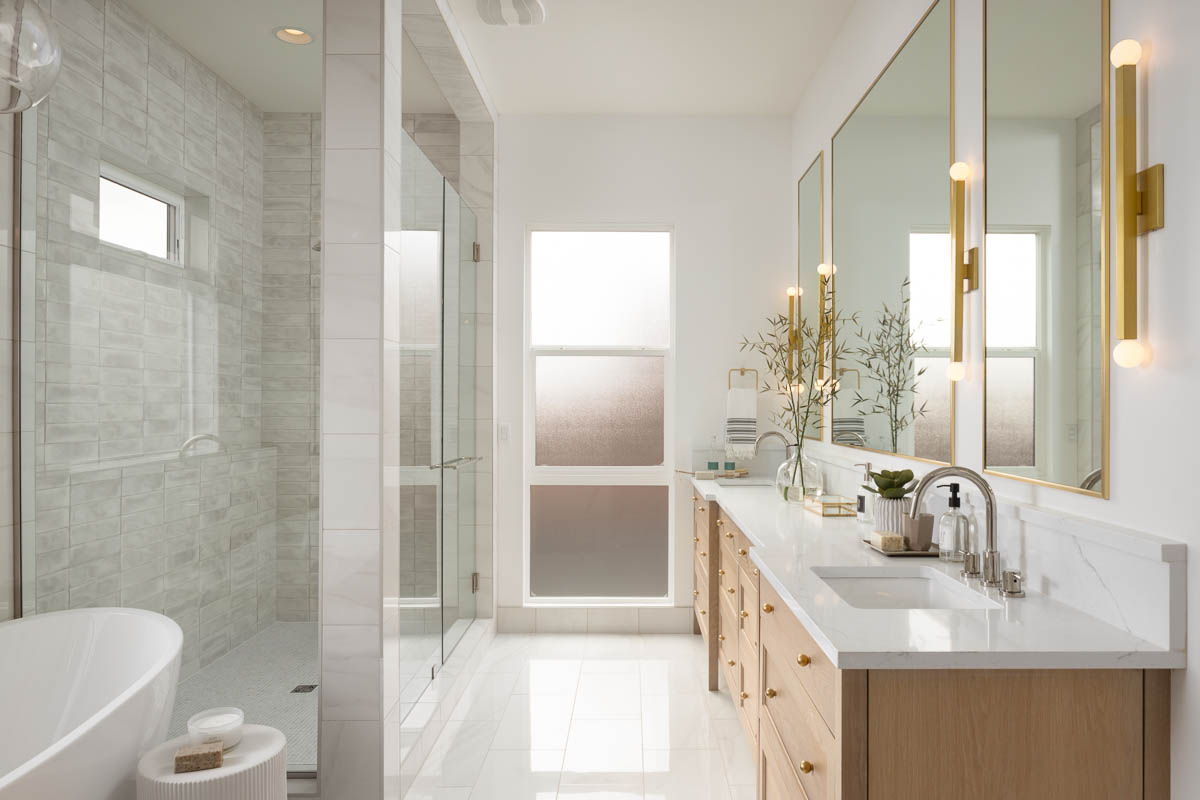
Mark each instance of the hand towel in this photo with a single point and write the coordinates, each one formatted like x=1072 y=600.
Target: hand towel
x=741 y=424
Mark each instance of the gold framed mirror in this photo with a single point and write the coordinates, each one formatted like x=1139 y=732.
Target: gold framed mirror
x=810 y=252
x=891 y=251
x=1045 y=253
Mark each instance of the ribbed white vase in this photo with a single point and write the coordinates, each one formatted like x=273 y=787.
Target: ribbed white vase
x=889 y=514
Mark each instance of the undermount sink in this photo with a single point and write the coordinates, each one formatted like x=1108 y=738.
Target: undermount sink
x=901 y=587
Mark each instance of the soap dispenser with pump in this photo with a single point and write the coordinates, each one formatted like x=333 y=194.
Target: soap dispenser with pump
x=953 y=528
x=864 y=508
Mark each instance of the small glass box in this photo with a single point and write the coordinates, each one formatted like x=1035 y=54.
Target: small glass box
x=831 y=505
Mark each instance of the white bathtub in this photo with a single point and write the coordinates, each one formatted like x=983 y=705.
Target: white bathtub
x=83 y=694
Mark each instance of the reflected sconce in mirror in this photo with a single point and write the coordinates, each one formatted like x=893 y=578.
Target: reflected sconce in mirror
x=1139 y=207
x=793 y=295
x=966 y=265
x=825 y=273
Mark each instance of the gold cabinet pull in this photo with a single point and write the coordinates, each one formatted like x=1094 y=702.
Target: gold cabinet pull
x=745 y=696
x=806 y=767
x=696 y=539
x=732 y=662
x=768 y=608
x=803 y=660
x=704 y=554
x=731 y=590
x=703 y=612
x=720 y=637
x=745 y=613
x=771 y=692
x=720 y=572
x=694 y=498
x=701 y=509
x=695 y=592
x=756 y=573
x=729 y=534
x=720 y=522
x=741 y=551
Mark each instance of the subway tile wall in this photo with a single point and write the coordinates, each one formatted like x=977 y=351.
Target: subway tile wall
x=291 y=346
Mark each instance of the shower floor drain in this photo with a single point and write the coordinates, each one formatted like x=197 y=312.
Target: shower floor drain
x=304 y=688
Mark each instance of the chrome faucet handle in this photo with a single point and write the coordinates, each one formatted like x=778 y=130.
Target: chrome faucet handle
x=991 y=569
x=971 y=565
x=1014 y=584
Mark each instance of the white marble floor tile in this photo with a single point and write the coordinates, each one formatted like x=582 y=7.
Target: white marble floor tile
x=519 y=775
x=458 y=754
x=485 y=697
x=671 y=722
x=549 y=676
x=693 y=774
x=535 y=722
x=608 y=696
x=627 y=792
x=603 y=751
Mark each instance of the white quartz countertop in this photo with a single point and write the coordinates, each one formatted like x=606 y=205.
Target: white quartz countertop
x=1033 y=632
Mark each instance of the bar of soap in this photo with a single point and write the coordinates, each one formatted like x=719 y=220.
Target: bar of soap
x=888 y=542
x=195 y=757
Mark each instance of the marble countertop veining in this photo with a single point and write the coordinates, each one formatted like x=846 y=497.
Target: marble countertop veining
x=1033 y=632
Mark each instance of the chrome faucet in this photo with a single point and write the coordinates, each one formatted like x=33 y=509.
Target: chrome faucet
x=991 y=556
x=199 y=437
x=768 y=435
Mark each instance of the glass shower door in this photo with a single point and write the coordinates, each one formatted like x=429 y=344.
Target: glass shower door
x=459 y=477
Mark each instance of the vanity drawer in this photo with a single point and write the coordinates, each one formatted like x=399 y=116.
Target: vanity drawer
x=701 y=515
x=748 y=664
x=798 y=654
x=699 y=607
x=806 y=739
x=702 y=557
x=729 y=626
x=776 y=778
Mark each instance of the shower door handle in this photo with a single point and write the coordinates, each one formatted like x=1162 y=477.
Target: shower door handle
x=455 y=463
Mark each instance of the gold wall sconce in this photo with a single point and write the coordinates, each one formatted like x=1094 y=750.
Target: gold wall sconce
x=794 y=293
x=825 y=273
x=1139 y=207
x=966 y=265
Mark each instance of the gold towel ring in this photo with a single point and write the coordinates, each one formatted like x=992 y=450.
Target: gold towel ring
x=742 y=371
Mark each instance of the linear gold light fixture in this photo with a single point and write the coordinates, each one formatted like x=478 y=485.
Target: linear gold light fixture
x=825 y=273
x=1139 y=203
x=966 y=265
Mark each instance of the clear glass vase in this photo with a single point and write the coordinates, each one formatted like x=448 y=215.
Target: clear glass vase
x=798 y=477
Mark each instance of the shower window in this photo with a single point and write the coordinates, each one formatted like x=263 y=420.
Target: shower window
x=138 y=215
x=598 y=379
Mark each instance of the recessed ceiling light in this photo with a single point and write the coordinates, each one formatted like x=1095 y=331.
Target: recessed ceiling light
x=293 y=35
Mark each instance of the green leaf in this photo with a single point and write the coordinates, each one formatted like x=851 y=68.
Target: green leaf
x=895 y=493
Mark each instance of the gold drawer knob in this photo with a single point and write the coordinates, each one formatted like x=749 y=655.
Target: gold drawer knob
x=703 y=612
x=694 y=498
x=771 y=692
x=741 y=551
x=704 y=554
x=756 y=573
x=701 y=509
x=730 y=590
x=803 y=660
x=720 y=522
x=806 y=767
x=720 y=637
x=745 y=613
x=745 y=696
x=732 y=662
x=768 y=608
x=720 y=572
x=729 y=535
x=695 y=592
x=696 y=539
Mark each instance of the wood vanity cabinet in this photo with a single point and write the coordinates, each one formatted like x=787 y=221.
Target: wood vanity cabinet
x=823 y=733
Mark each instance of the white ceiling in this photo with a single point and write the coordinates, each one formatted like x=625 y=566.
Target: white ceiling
x=236 y=39
x=654 y=56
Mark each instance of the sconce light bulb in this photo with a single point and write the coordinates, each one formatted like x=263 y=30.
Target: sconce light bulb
x=956 y=371
x=959 y=171
x=1126 y=52
x=791 y=291
x=799 y=291
x=825 y=270
x=797 y=389
x=1129 y=353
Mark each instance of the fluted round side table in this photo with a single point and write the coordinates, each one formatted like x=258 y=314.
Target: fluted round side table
x=254 y=770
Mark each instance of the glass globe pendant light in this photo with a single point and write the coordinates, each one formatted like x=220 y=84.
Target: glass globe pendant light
x=30 y=55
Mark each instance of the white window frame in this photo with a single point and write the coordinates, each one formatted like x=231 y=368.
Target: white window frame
x=176 y=216
x=1041 y=364
x=543 y=475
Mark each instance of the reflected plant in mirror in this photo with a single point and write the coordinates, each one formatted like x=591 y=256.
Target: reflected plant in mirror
x=887 y=353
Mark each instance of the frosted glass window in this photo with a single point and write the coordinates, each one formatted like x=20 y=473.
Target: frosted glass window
x=600 y=288
x=599 y=410
x=132 y=219
x=931 y=288
x=931 y=433
x=1012 y=289
x=598 y=541
x=1011 y=407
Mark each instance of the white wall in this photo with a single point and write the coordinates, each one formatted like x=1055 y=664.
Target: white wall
x=723 y=184
x=1152 y=435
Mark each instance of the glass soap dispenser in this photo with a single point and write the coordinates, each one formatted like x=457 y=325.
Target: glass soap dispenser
x=953 y=528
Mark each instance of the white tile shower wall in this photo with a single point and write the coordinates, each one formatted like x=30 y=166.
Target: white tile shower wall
x=192 y=538
x=291 y=347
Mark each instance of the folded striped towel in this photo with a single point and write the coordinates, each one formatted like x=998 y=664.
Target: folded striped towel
x=741 y=424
